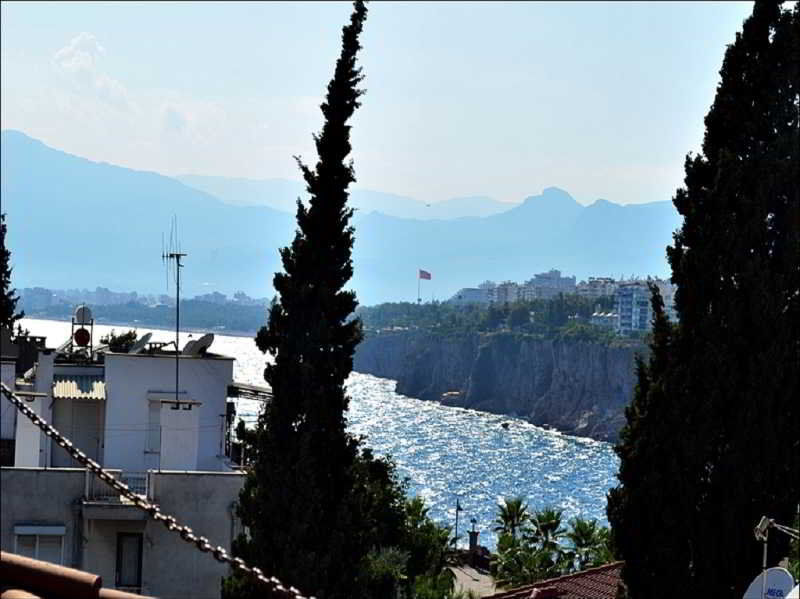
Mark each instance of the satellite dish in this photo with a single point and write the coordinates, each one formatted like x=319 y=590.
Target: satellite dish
x=83 y=315
x=795 y=593
x=139 y=345
x=779 y=584
x=187 y=349
x=202 y=344
x=82 y=337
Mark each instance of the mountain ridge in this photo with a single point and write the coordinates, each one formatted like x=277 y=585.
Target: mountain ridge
x=79 y=223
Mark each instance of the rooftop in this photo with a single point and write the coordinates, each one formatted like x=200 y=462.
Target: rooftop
x=26 y=578
x=595 y=583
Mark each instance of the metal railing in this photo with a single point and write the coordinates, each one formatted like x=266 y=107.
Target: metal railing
x=97 y=490
x=272 y=584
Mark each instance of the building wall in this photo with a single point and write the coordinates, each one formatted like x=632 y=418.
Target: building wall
x=133 y=380
x=45 y=365
x=204 y=501
x=29 y=446
x=81 y=421
x=171 y=568
x=8 y=413
x=42 y=496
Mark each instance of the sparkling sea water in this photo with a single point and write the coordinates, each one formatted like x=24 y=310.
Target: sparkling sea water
x=446 y=453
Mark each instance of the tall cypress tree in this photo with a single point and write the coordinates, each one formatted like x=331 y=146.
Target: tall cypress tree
x=8 y=298
x=713 y=436
x=303 y=500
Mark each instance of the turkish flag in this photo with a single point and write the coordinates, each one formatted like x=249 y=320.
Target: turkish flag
x=424 y=274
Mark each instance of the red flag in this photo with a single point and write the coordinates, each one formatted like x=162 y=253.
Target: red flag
x=424 y=274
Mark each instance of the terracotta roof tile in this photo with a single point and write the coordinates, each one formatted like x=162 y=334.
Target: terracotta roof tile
x=595 y=583
x=26 y=578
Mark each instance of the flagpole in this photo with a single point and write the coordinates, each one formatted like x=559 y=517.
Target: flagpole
x=419 y=279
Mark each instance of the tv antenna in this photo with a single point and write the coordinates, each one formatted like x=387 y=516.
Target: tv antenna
x=169 y=255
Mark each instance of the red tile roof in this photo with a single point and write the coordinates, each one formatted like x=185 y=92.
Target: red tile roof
x=595 y=583
x=26 y=578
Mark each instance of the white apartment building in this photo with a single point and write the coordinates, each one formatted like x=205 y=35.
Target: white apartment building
x=597 y=287
x=506 y=292
x=547 y=285
x=470 y=295
x=121 y=410
x=633 y=304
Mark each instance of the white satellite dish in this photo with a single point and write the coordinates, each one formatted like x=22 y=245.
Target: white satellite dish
x=794 y=593
x=779 y=584
x=202 y=344
x=83 y=315
x=139 y=345
x=187 y=349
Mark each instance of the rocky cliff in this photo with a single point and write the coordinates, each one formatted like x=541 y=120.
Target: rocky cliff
x=577 y=387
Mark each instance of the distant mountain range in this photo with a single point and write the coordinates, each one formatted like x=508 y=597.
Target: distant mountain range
x=282 y=194
x=77 y=223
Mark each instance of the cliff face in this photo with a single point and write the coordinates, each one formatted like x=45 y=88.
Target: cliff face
x=576 y=387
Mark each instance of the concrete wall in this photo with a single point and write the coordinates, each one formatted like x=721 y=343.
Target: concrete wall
x=32 y=448
x=171 y=568
x=30 y=442
x=44 y=384
x=132 y=380
x=203 y=501
x=8 y=413
x=81 y=421
x=101 y=550
x=39 y=496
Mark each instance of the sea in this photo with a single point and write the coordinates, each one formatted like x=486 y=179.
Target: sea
x=450 y=456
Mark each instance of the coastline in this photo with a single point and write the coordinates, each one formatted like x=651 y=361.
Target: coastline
x=144 y=325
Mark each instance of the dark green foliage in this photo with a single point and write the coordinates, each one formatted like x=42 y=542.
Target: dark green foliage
x=794 y=549
x=518 y=316
x=8 y=298
x=550 y=316
x=712 y=441
x=512 y=515
x=119 y=343
x=315 y=504
x=545 y=549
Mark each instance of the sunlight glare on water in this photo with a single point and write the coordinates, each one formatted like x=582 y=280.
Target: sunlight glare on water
x=446 y=453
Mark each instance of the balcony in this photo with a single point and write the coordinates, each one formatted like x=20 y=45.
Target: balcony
x=102 y=502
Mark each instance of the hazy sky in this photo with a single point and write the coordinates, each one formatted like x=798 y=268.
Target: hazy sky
x=464 y=98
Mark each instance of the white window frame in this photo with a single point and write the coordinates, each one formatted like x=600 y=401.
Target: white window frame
x=40 y=531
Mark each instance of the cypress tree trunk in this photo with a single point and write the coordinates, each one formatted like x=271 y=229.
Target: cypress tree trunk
x=299 y=500
x=728 y=380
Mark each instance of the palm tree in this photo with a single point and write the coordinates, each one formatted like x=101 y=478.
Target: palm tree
x=547 y=530
x=519 y=562
x=583 y=534
x=512 y=516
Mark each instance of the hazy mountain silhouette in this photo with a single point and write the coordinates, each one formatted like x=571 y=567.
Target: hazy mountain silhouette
x=282 y=194
x=77 y=223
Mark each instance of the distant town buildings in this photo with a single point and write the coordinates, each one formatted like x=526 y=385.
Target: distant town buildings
x=597 y=287
x=33 y=299
x=632 y=311
x=544 y=285
x=633 y=304
x=215 y=297
x=547 y=285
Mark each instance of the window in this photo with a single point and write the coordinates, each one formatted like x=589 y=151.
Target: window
x=129 y=560
x=44 y=543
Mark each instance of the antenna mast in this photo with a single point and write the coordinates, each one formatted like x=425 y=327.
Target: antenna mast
x=174 y=253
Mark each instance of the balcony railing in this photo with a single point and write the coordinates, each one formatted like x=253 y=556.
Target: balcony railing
x=97 y=490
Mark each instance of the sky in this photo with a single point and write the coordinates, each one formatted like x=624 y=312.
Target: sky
x=463 y=98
